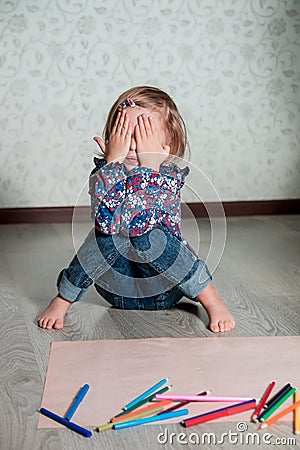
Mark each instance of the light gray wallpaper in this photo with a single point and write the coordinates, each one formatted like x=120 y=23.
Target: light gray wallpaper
x=232 y=66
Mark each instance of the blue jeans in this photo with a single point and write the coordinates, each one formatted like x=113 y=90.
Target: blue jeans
x=151 y=271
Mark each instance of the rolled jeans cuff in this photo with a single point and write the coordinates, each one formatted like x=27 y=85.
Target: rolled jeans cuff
x=197 y=282
x=67 y=290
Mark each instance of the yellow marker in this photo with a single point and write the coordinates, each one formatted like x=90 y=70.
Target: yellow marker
x=296 y=415
x=154 y=411
x=105 y=427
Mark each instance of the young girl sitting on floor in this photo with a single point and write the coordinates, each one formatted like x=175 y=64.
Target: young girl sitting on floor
x=135 y=255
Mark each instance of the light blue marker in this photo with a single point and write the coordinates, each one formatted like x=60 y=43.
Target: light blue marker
x=146 y=394
x=135 y=423
x=78 y=399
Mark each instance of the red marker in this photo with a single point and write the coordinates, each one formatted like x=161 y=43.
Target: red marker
x=223 y=412
x=263 y=401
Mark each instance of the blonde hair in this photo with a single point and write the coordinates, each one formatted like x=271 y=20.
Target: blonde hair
x=157 y=100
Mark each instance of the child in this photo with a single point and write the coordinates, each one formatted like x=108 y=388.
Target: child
x=136 y=255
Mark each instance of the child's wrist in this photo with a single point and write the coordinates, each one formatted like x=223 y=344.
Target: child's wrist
x=114 y=158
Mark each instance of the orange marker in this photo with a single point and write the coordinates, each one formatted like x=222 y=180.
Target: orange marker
x=279 y=415
x=138 y=411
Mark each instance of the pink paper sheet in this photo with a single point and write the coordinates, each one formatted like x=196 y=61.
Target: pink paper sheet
x=119 y=370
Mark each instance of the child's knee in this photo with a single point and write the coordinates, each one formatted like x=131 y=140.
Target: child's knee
x=157 y=237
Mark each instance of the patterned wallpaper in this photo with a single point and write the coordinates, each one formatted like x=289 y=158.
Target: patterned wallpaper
x=232 y=66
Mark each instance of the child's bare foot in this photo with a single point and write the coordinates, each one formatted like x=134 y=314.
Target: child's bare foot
x=53 y=316
x=219 y=316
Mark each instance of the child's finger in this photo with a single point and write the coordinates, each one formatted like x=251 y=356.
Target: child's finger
x=114 y=129
x=137 y=134
x=125 y=125
x=128 y=135
x=146 y=124
x=121 y=122
x=152 y=124
x=141 y=126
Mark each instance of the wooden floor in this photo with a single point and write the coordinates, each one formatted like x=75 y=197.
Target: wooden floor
x=258 y=278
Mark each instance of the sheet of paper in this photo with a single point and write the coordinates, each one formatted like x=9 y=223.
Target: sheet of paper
x=119 y=370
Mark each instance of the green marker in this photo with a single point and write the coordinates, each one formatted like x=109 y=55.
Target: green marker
x=109 y=426
x=142 y=402
x=270 y=411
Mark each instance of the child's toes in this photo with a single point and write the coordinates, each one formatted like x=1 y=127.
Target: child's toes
x=214 y=326
x=227 y=325
x=42 y=322
x=58 y=324
x=49 y=324
x=222 y=326
x=231 y=325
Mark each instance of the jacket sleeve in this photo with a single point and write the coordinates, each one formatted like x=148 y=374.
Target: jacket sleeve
x=154 y=197
x=107 y=188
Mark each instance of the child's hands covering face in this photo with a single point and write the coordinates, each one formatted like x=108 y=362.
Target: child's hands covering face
x=150 y=151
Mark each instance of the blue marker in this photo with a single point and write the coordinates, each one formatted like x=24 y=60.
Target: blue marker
x=66 y=423
x=78 y=399
x=146 y=393
x=135 y=423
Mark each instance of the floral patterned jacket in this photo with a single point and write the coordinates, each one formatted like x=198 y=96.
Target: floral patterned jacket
x=137 y=201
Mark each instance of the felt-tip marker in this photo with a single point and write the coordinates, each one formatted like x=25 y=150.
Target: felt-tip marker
x=78 y=399
x=145 y=394
x=73 y=426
